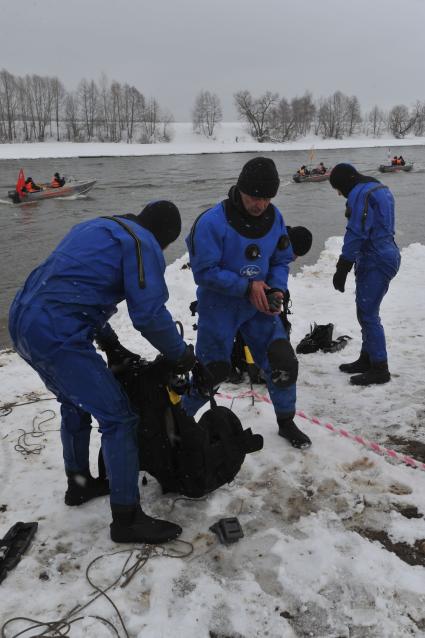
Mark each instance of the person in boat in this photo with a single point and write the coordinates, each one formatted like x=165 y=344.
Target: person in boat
x=394 y=161
x=401 y=161
x=57 y=181
x=369 y=245
x=303 y=171
x=320 y=169
x=31 y=186
x=63 y=306
x=240 y=254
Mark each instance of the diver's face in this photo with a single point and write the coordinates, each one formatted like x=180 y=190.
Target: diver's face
x=255 y=206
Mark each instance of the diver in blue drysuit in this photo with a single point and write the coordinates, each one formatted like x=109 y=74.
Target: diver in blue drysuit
x=369 y=245
x=240 y=254
x=64 y=305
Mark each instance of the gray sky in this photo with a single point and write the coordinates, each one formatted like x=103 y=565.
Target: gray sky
x=171 y=49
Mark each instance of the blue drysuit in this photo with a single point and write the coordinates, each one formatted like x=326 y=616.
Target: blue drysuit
x=369 y=243
x=55 y=316
x=222 y=268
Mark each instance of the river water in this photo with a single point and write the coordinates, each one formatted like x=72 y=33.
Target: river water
x=194 y=182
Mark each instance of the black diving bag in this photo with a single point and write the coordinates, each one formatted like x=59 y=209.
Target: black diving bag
x=186 y=457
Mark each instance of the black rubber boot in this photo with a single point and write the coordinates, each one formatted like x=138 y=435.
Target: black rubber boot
x=131 y=525
x=289 y=431
x=361 y=365
x=378 y=373
x=82 y=487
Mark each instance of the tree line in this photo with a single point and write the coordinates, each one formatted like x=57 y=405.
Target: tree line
x=36 y=108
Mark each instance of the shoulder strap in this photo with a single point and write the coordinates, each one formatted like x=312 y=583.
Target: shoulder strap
x=139 y=256
x=192 y=232
x=366 y=202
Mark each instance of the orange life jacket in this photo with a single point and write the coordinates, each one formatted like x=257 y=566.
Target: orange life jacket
x=55 y=183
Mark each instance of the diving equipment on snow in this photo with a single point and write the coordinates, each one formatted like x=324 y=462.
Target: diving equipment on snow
x=228 y=530
x=14 y=544
x=185 y=456
x=320 y=338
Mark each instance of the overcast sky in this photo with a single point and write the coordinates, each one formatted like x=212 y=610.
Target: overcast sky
x=171 y=49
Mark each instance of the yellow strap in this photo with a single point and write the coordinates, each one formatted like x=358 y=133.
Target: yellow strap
x=248 y=355
x=174 y=397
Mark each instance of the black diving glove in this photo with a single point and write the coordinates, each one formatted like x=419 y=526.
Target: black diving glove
x=185 y=363
x=179 y=380
x=116 y=354
x=275 y=299
x=343 y=267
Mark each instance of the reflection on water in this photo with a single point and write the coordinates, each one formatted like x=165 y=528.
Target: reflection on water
x=194 y=182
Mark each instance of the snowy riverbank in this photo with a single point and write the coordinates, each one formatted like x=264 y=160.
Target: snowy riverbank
x=229 y=137
x=334 y=541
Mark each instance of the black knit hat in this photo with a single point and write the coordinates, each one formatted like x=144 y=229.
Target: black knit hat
x=163 y=220
x=259 y=178
x=344 y=177
x=300 y=238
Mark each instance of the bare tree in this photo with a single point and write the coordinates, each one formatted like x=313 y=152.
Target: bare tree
x=104 y=109
x=353 y=115
x=400 y=121
x=71 y=118
x=88 y=96
x=332 y=115
x=303 y=110
x=166 y=132
x=419 y=127
x=282 y=126
x=8 y=95
x=116 y=108
x=133 y=108
x=375 y=122
x=255 y=111
x=58 y=95
x=40 y=101
x=206 y=113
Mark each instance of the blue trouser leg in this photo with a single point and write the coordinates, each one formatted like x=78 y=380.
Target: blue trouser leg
x=75 y=436
x=371 y=287
x=258 y=333
x=83 y=384
x=215 y=343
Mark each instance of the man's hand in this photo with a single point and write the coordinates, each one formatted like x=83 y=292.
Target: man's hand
x=258 y=297
x=343 y=267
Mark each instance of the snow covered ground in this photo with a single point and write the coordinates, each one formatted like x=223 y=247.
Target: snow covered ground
x=229 y=137
x=334 y=543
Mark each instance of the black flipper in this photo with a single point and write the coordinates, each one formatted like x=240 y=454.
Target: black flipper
x=14 y=544
x=337 y=345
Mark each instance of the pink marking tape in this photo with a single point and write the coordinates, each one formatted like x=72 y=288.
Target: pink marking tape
x=375 y=447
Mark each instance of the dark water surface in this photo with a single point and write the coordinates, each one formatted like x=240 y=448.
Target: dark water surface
x=194 y=182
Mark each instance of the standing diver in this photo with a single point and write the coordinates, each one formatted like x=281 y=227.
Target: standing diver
x=240 y=254
x=368 y=245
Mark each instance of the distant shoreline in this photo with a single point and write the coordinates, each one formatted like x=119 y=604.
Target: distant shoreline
x=186 y=142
